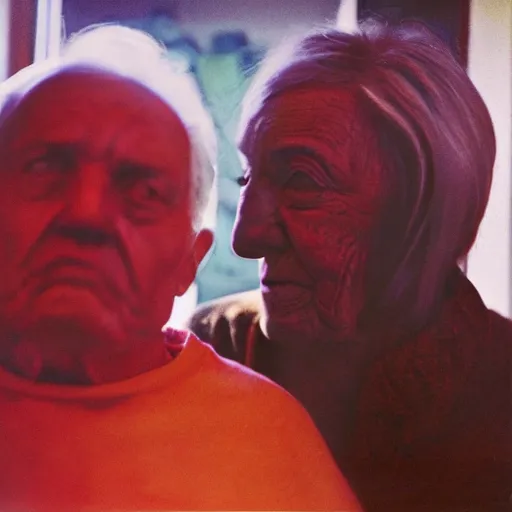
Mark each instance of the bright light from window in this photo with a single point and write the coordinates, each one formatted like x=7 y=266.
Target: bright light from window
x=4 y=38
x=48 y=29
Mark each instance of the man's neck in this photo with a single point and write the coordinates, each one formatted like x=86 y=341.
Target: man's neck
x=33 y=360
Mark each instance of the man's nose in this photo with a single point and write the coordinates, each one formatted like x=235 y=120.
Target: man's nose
x=88 y=201
x=257 y=230
x=89 y=213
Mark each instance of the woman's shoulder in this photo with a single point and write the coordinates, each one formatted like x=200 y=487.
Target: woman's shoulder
x=501 y=330
x=225 y=323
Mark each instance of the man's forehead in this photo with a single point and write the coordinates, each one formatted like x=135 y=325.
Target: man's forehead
x=81 y=92
x=83 y=79
x=78 y=109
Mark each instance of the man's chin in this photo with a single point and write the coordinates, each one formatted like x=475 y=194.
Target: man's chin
x=62 y=317
x=63 y=296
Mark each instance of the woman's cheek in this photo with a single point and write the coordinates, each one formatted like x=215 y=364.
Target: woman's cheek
x=322 y=245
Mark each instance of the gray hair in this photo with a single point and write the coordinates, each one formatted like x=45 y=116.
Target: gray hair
x=437 y=147
x=137 y=56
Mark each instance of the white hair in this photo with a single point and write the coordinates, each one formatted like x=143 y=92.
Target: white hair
x=137 y=56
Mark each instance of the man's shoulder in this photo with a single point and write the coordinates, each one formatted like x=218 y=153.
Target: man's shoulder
x=225 y=323
x=265 y=435
x=230 y=378
x=243 y=389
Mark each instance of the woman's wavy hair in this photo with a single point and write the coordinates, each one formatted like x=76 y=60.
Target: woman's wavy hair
x=437 y=148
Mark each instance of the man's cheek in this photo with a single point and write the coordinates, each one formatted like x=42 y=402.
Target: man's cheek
x=12 y=242
x=28 y=223
x=156 y=267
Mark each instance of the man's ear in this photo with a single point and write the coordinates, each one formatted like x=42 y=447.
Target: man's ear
x=202 y=244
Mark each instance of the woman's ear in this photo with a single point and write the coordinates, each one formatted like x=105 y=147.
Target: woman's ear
x=202 y=244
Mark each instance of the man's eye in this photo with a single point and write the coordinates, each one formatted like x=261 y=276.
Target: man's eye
x=141 y=186
x=45 y=176
x=144 y=193
x=48 y=163
x=37 y=166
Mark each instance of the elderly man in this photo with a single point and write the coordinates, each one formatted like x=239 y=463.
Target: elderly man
x=369 y=166
x=105 y=174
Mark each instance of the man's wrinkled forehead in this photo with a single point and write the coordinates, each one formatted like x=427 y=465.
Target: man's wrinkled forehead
x=101 y=116
x=324 y=118
x=77 y=94
x=77 y=79
x=89 y=82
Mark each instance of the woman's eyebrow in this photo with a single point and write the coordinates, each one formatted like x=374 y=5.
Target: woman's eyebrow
x=242 y=158
x=296 y=151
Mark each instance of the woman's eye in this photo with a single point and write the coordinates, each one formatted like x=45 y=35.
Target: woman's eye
x=301 y=181
x=243 y=180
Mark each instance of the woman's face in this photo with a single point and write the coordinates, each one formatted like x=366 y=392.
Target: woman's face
x=308 y=206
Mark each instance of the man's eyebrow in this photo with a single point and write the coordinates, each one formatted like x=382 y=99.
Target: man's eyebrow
x=46 y=146
x=139 y=167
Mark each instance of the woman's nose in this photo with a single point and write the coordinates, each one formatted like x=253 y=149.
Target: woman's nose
x=256 y=230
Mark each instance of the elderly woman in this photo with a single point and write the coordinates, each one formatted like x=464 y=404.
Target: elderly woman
x=369 y=165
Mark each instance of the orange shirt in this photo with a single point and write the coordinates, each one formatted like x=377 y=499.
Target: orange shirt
x=199 y=433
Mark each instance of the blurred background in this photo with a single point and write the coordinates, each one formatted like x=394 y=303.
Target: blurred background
x=220 y=43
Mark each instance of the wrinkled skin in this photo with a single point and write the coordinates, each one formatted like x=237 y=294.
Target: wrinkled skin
x=96 y=235
x=308 y=207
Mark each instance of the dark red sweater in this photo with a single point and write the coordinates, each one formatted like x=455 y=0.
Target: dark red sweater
x=432 y=421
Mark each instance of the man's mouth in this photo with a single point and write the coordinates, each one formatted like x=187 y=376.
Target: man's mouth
x=72 y=281
x=64 y=266
x=72 y=272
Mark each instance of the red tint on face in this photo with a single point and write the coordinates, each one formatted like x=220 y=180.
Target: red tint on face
x=95 y=220
x=308 y=209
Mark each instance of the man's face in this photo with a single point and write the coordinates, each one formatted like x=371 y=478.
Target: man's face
x=96 y=232
x=308 y=209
